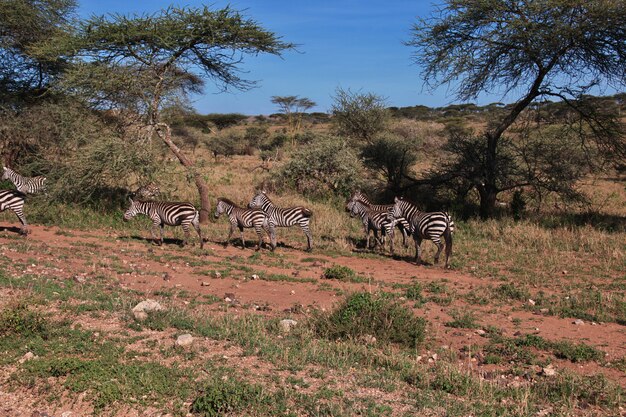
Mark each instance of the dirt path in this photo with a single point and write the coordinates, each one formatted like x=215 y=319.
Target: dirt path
x=291 y=282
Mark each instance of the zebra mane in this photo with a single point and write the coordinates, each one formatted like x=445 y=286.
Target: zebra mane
x=227 y=201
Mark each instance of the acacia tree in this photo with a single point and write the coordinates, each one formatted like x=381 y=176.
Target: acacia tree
x=24 y=24
x=557 y=49
x=142 y=62
x=359 y=116
x=293 y=107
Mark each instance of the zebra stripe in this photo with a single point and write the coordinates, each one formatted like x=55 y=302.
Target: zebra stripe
x=14 y=201
x=244 y=218
x=23 y=184
x=403 y=225
x=425 y=225
x=283 y=217
x=375 y=220
x=166 y=213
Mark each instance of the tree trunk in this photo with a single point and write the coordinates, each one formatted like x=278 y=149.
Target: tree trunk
x=487 y=201
x=165 y=133
x=488 y=190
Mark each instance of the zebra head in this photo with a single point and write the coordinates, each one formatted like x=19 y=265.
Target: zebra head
x=359 y=196
x=220 y=208
x=259 y=200
x=132 y=211
x=5 y=173
x=355 y=208
x=397 y=210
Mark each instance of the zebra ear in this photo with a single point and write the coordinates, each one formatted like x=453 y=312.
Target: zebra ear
x=131 y=199
x=396 y=199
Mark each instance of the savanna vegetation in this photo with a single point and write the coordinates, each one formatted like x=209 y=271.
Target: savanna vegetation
x=536 y=188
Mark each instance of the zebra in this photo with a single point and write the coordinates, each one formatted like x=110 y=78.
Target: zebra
x=376 y=220
x=283 y=217
x=403 y=225
x=425 y=225
x=243 y=218
x=14 y=201
x=166 y=213
x=25 y=185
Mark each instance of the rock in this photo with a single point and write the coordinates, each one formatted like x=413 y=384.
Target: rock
x=27 y=356
x=80 y=279
x=564 y=272
x=549 y=370
x=544 y=311
x=141 y=310
x=531 y=302
x=204 y=284
x=184 y=340
x=217 y=274
x=166 y=276
x=292 y=292
x=578 y=322
x=480 y=332
x=254 y=277
x=286 y=325
x=434 y=356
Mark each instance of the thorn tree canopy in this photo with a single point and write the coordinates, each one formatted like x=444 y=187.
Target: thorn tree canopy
x=153 y=57
x=536 y=49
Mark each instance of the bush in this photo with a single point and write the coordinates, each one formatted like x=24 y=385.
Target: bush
x=227 y=396
x=364 y=314
x=340 y=272
x=18 y=320
x=392 y=157
x=328 y=167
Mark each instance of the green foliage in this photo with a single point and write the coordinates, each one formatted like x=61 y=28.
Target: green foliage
x=391 y=156
x=364 y=314
x=224 y=120
x=339 y=272
x=18 y=320
x=328 y=167
x=228 y=396
x=463 y=320
x=414 y=292
x=511 y=292
x=359 y=116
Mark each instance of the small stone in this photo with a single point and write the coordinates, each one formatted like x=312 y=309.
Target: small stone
x=184 y=340
x=228 y=299
x=564 y=272
x=480 y=332
x=166 y=276
x=141 y=310
x=578 y=322
x=544 y=311
x=419 y=358
x=27 y=356
x=286 y=325
x=205 y=284
x=434 y=356
x=79 y=279
x=254 y=277
x=217 y=274
x=292 y=292
x=531 y=302
x=549 y=370
x=66 y=414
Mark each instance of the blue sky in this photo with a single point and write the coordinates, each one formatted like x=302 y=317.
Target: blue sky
x=352 y=44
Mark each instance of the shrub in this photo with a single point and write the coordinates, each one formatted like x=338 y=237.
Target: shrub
x=325 y=168
x=364 y=314
x=19 y=320
x=340 y=272
x=225 y=397
x=392 y=157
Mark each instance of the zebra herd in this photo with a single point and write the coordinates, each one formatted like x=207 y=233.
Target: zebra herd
x=264 y=216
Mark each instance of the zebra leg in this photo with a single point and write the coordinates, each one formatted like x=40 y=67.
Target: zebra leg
x=259 y=233
x=243 y=241
x=271 y=232
x=309 y=238
x=230 y=234
x=418 y=242
x=161 y=237
x=22 y=219
x=437 y=241
x=447 y=235
x=185 y=227
x=155 y=225
x=196 y=225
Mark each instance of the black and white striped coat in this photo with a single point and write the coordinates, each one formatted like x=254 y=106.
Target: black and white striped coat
x=26 y=185
x=401 y=223
x=283 y=217
x=14 y=201
x=425 y=225
x=166 y=213
x=243 y=218
x=373 y=220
